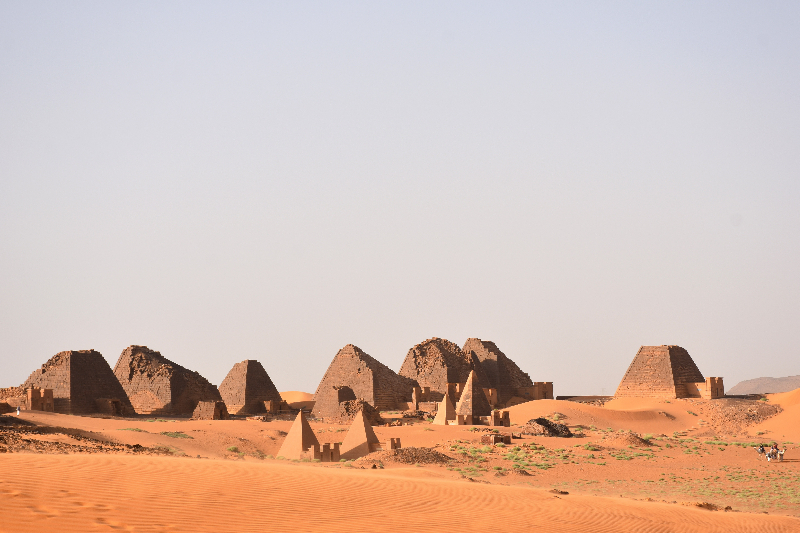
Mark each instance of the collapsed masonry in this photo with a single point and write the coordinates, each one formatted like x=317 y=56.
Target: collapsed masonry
x=156 y=385
x=81 y=382
x=248 y=390
x=667 y=371
x=355 y=376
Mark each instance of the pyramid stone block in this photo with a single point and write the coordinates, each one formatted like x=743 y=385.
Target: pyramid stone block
x=79 y=378
x=246 y=387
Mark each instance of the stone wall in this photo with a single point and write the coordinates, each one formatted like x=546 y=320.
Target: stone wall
x=156 y=385
x=246 y=387
x=78 y=379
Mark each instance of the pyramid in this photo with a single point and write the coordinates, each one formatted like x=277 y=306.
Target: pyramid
x=503 y=374
x=473 y=402
x=446 y=411
x=659 y=372
x=79 y=378
x=355 y=375
x=360 y=439
x=246 y=387
x=435 y=363
x=299 y=440
x=156 y=385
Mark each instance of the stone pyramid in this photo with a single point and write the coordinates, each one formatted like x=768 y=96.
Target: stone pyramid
x=659 y=372
x=435 y=363
x=473 y=402
x=503 y=374
x=446 y=411
x=79 y=378
x=360 y=439
x=299 y=440
x=355 y=375
x=156 y=385
x=246 y=387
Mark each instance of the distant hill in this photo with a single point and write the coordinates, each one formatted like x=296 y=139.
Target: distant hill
x=764 y=385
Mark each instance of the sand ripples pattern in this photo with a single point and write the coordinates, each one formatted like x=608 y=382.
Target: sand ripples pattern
x=145 y=494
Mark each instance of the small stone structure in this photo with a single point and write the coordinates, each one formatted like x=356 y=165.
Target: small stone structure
x=109 y=406
x=210 y=411
x=355 y=375
x=446 y=412
x=667 y=371
x=78 y=378
x=39 y=399
x=247 y=387
x=473 y=403
x=300 y=441
x=495 y=438
x=360 y=439
x=156 y=385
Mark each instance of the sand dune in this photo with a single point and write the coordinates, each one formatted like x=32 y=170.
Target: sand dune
x=123 y=493
x=786 y=425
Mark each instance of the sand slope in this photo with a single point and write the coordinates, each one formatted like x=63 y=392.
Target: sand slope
x=122 y=493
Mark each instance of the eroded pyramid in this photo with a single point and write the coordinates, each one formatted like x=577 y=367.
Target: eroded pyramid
x=246 y=387
x=502 y=373
x=355 y=375
x=156 y=385
x=435 y=363
x=79 y=378
x=445 y=412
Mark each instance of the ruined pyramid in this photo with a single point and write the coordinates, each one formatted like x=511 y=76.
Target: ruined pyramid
x=299 y=440
x=434 y=363
x=659 y=372
x=502 y=373
x=360 y=439
x=156 y=385
x=246 y=387
x=473 y=402
x=79 y=378
x=355 y=375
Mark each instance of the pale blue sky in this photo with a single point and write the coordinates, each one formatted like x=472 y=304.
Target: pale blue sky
x=272 y=181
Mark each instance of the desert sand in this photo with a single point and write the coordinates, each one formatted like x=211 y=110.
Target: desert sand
x=634 y=465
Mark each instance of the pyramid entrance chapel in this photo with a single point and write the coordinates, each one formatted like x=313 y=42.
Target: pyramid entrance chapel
x=667 y=371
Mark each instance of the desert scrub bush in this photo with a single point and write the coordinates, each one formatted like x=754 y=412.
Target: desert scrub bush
x=233 y=449
x=176 y=435
x=133 y=429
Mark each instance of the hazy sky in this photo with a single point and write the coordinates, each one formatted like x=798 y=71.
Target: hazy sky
x=249 y=180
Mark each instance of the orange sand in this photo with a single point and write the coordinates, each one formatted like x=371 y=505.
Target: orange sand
x=123 y=493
